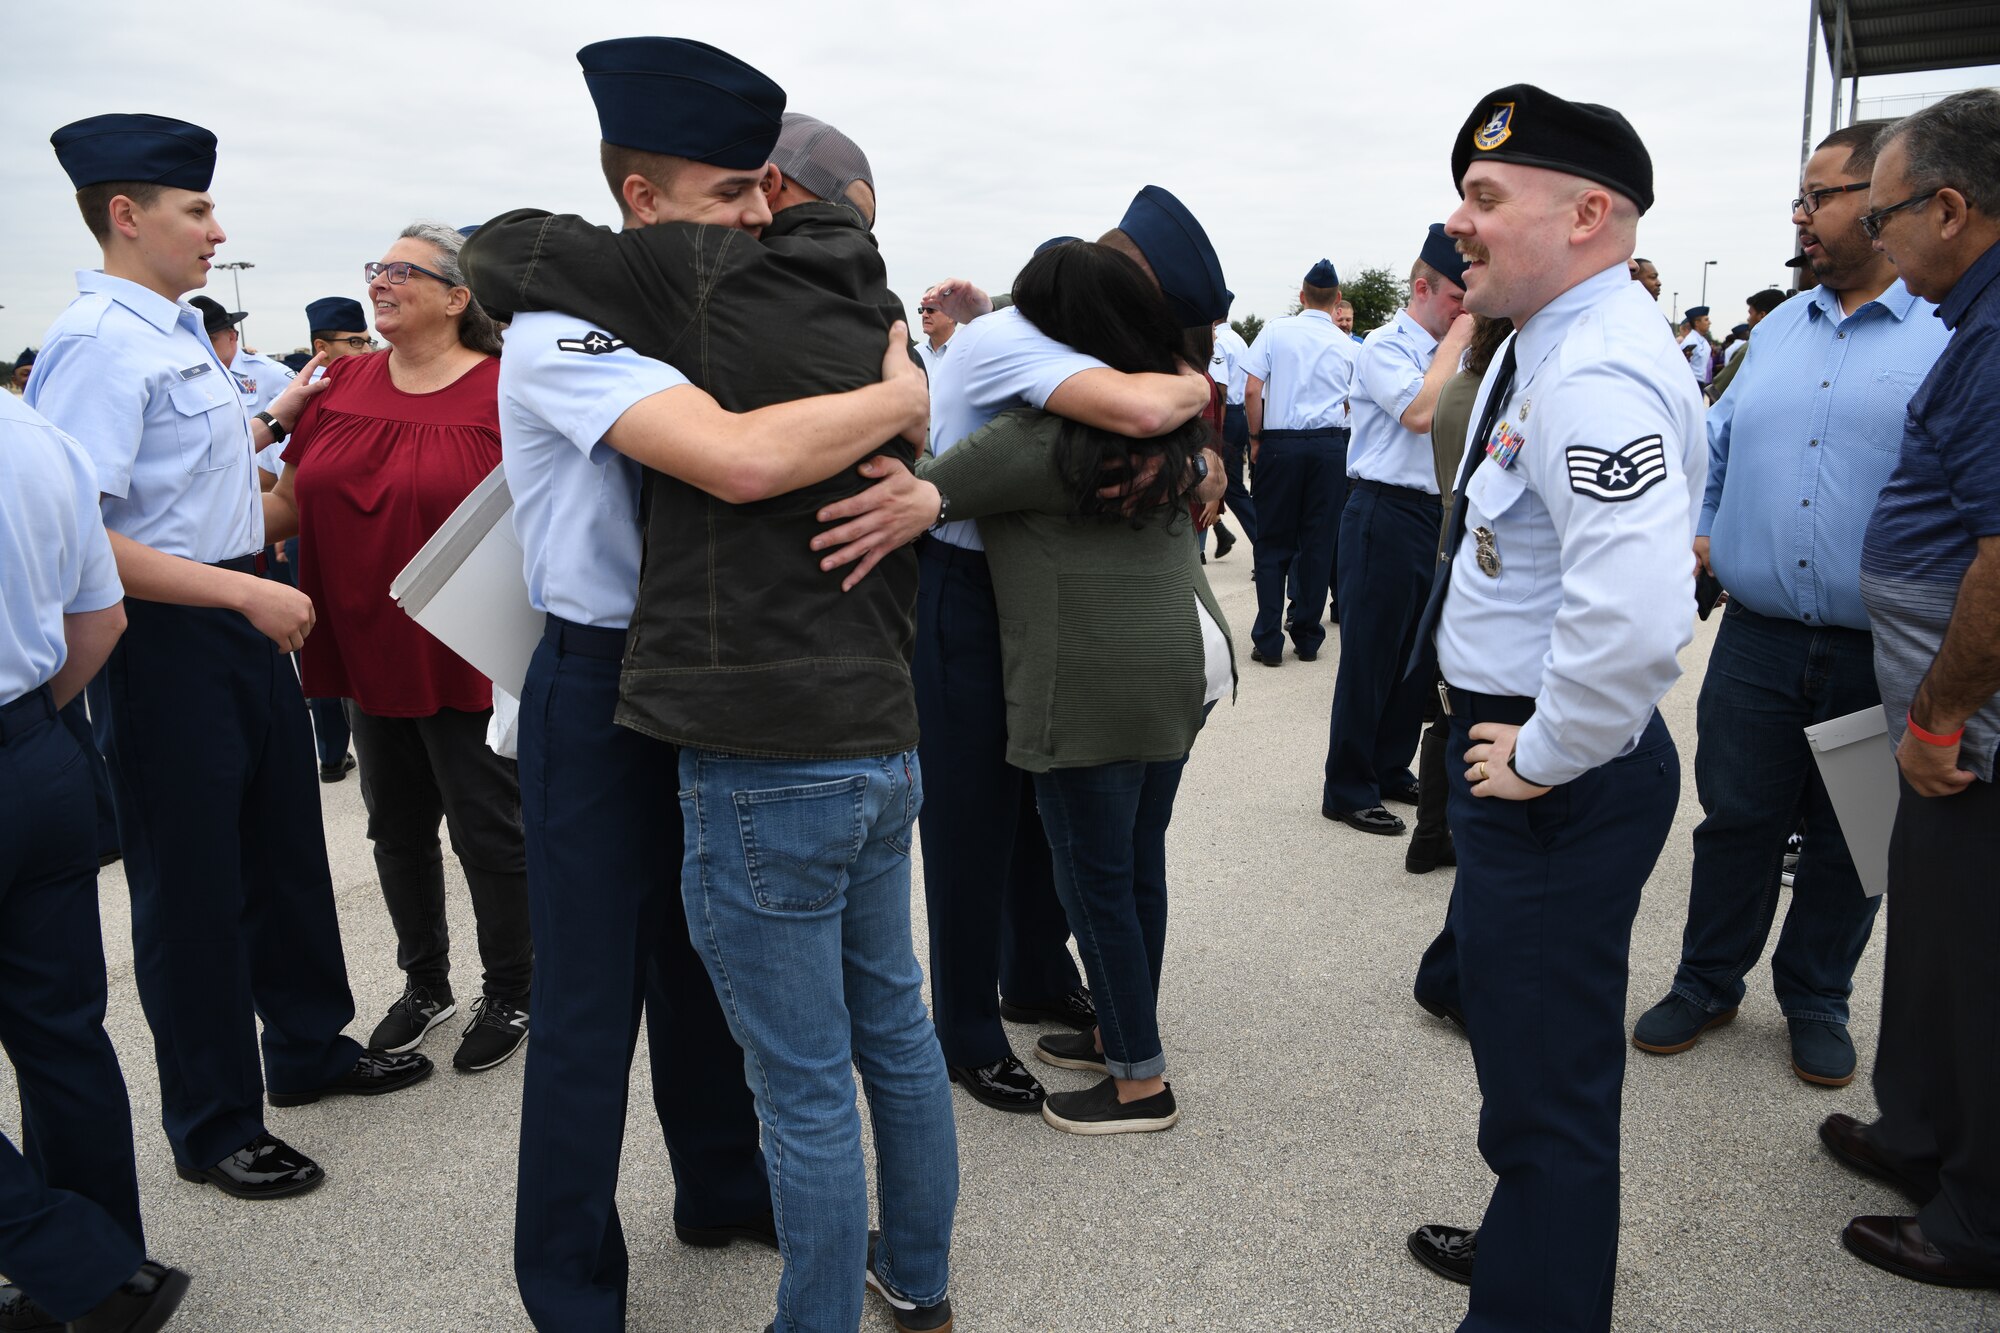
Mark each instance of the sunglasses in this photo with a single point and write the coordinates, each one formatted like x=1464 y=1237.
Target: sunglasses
x=1871 y=223
x=399 y=272
x=927 y=310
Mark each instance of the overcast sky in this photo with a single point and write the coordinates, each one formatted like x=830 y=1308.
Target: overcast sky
x=1293 y=128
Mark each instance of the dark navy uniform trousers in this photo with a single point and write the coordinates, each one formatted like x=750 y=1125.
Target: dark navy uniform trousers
x=233 y=920
x=88 y=730
x=69 y=1196
x=996 y=924
x=1541 y=926
x=1301 y=480
x=1388 y=551
x=1235 y=458
x=602 y=816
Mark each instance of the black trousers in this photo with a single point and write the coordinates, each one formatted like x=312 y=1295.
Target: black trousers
x=416 y=771
x=232 y=903
x=604 y=841
x=69 y=1196
x=1432 y=834
x=1937 y=1068
x=1235 y=458
x=996 y=924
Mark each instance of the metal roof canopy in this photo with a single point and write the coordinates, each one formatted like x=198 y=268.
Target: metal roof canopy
x=1871 y=37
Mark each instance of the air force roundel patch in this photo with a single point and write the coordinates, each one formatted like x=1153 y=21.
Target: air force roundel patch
x=590 y=344
x=1617 y=474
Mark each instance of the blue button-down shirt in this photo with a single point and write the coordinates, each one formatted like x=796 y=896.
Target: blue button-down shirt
x=1802 y=444
x=1943 y=497
x=1307 y=366
x=1387 y=379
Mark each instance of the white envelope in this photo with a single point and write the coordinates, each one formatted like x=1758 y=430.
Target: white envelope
x=1858 y=766
x=467 y=587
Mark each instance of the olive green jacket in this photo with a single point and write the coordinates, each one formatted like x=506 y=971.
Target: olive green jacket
x=1100 y=646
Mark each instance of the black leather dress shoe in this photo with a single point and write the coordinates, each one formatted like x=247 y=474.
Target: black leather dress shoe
x=1072 y=1010
x=375 y=1073
x=1898 y=1245
x=20 y=1314
x=1446 y=1251
x=146 y=1301
x=1305 y=654
x=1423 y=860
x=1373 y=820
x=1439 y=1009
x=1257 y=655
x=265 y=1168
x=1004 y=1085
x=337 y=772
x=1847 y=1139
x=1402 y=794
x=760 y=1230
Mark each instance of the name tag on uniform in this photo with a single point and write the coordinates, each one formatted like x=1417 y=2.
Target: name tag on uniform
x=195 y=372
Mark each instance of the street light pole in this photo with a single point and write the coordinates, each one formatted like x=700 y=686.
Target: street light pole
x=1706 y=266
x=235 y=269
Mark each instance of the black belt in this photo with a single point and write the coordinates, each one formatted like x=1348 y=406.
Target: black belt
x=1315 y=433
x=25 y=713
x=942 y=552
x=1394 y=492
x=585 y=640
x=242 y=564
x=1503 y=708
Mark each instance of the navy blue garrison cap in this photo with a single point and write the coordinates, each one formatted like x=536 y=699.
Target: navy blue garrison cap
x=149 y=150
x=1441 y=253
x=1054 y=241
x=1322 y=274
x=26 y=358
x=1696 y=312
x=1181 y=258
x=683 y=98
x=466 y=231
x=336 y=314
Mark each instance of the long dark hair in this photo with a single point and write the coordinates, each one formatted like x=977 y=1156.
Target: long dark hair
x=1098 y=301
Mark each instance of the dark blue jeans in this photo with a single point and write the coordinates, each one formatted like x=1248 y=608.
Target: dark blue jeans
x=1768 y=680
x=1107 y=828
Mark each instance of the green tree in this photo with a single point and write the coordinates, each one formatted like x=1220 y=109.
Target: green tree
x=1375 y=295
x=1247 y=328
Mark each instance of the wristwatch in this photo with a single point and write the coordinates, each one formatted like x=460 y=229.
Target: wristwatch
x=1201 y=467
x=278 y=433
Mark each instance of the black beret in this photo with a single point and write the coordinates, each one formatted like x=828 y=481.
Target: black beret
x=214 y=317
x=1524 y=124
x=151 y=150
x=684 y=99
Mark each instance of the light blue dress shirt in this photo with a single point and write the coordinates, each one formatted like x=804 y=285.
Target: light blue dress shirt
x=53 y=552
x=576 y=499
x=1226 y=366
x=1588 y=593
x=1387 y=379
x=131 y=377
x=998 y=361
x=1802 y=443
x=1307 y=365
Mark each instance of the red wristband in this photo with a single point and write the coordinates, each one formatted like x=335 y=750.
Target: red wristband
x=1932 y=738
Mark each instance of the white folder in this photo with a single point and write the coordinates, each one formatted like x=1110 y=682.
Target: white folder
x=1858 y=766
x=467 y=587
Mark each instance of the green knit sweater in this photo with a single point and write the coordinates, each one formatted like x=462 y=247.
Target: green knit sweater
x=1100 y=644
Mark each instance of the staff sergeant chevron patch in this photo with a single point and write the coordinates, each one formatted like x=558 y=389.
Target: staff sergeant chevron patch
x=1620 y=474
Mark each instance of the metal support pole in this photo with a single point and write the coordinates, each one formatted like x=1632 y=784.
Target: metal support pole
x=1812 y=67
x=1839 y=63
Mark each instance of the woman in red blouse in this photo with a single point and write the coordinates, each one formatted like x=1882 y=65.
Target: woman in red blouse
x=375 y=465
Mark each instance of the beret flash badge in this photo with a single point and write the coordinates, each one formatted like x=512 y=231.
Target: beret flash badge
x=1499 y=127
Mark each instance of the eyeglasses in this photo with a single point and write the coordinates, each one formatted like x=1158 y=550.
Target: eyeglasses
x=399 y=272
x=1809 y=202
x=1871 y=223
x=356 y=341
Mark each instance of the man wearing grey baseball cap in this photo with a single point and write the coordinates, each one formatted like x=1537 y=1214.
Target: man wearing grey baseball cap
x=818 y=163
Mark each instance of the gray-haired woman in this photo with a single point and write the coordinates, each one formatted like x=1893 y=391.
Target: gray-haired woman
x=375 y=465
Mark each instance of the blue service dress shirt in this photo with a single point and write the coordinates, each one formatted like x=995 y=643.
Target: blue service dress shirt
x=1387 y=379
x=1307 y=366
x=1801 y=445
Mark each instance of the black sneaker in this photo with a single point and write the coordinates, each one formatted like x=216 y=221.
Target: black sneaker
x=1072 y=1010
x=497 y=1029
x=909 y=1316
x=1446 y=1251
x=20 y=1314
x=403 y=1028
x=337 y=772
x=1071 y=1050
x=1097 y=1110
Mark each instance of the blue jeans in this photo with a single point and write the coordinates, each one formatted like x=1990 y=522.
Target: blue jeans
x=797 y=889
x=1769 y=679
x=1107 y=826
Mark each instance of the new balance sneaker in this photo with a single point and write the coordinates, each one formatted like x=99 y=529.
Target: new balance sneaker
x=1097 y=1110
x=409 y=1019
x=497 y=1029
x=909 y=1316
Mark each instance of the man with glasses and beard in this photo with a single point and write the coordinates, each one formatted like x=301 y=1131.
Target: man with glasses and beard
x=1799 y=448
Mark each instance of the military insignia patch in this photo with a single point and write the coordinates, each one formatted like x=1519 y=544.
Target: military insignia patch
x=591 y=344
x=1619 y=474
x=1486 y=552
x=1505 y=445
x=1499 y=127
